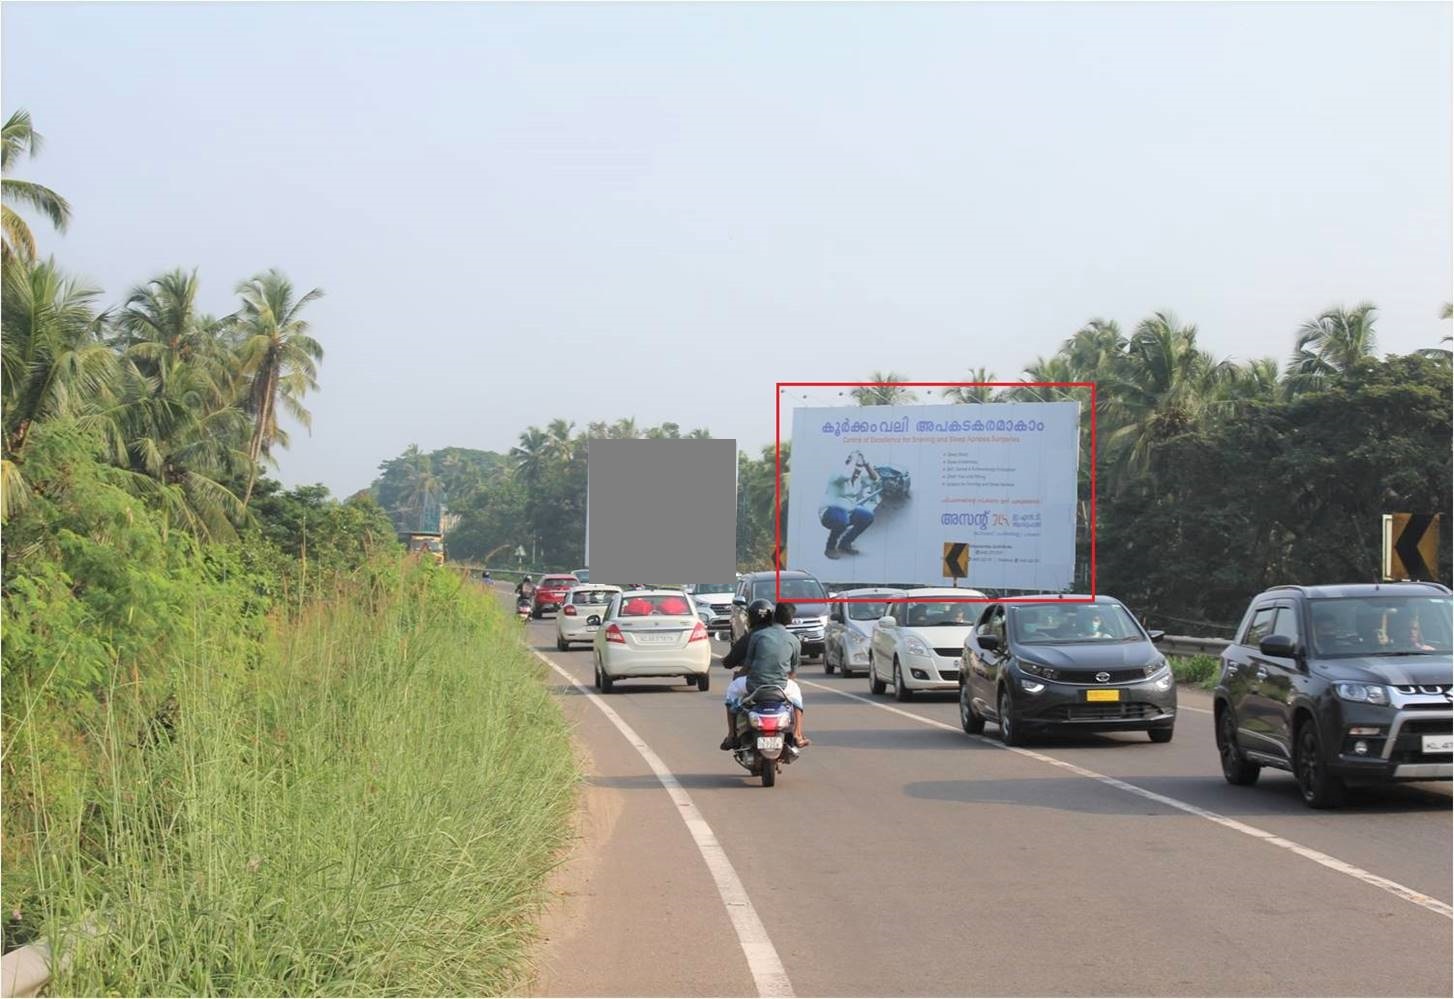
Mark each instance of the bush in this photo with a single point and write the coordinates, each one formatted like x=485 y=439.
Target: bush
x=1201 y=670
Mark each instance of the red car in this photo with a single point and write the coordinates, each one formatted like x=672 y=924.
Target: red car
x=550 y=593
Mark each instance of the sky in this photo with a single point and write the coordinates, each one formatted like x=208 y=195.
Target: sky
x=524 y=212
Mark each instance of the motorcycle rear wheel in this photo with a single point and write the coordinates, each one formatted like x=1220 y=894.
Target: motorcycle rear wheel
x=769 y=773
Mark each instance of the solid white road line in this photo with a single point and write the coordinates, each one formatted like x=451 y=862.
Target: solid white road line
x=1332 y=863
x=762 y=957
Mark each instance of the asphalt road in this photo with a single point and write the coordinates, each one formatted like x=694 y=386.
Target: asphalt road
x=902 y=857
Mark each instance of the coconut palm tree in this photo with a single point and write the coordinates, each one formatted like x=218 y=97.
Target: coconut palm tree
x=280 y=359
x=1334 y=342
x=56 y=364
x=975 y=393
x=883 y=391
x=1165 y=386
x=1095 y=350
x=531 y=455
x=18 y=136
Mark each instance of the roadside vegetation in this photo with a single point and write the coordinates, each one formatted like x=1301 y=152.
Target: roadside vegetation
x=248 y=747
x=1200 y=670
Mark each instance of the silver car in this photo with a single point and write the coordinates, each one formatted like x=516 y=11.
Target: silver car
x=850 y=626
x=717 y=599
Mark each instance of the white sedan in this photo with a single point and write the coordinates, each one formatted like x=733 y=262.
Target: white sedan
x=918 y=642
x=580 y=614
x=652 y=632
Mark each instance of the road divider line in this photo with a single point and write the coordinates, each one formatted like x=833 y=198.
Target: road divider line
x=1316 y=856
x=768 y=973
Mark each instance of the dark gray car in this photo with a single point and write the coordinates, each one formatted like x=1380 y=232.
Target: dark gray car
x=1059 y=662
x=1341 y=685
x=801 y=589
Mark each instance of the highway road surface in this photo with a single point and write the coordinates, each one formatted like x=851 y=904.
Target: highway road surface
x=901 y=857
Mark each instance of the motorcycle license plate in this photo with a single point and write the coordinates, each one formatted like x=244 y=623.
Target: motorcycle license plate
x=1439 y=743
x=769 y=742
x=1102 y=695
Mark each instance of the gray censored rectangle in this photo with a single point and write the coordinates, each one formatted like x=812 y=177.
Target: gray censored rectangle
x=661 y=512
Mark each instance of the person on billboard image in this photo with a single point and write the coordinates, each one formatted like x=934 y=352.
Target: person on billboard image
x=848 y=504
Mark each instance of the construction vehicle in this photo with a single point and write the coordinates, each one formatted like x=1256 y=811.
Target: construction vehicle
x=422 y=542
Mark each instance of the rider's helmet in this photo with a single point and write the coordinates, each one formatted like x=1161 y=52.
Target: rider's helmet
x=525 y=580
x=759 y=613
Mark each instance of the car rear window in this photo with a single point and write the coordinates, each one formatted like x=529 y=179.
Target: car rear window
x=661 y=605
x=558 y=581
x=592 y=597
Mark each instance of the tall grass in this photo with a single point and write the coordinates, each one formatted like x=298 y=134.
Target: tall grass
x=367 y=807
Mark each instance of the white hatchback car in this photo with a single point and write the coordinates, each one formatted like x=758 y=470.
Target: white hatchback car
x=918 y=643
x=580 y=614
x=652 y=632
x=851 y=625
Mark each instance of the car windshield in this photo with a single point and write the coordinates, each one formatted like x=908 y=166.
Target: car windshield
x=593 y=597
x=867 y=612
x=796 y=589
x=1053 y=625
x=655 y=605
x=940 y=615
x=1381 y=626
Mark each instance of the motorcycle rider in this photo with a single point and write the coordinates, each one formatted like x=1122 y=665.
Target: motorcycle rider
x=782 y=617
x=759 y=616
x=772 y=658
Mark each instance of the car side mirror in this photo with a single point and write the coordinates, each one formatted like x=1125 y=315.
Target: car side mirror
x=1278 y=646
x=739 y=601
x=1156 y=636
x=990 y=643
x=885 y=622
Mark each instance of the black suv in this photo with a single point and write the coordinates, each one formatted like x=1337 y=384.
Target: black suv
x=1341 y=685
x=801 y=589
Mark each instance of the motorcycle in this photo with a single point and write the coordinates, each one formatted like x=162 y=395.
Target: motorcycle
x=764 y=734
x=522 y=607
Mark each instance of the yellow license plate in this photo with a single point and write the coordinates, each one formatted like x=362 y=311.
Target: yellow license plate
x=1102 y=695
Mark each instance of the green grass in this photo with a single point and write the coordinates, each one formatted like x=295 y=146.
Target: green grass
x=369 y=807
x=1201 y=670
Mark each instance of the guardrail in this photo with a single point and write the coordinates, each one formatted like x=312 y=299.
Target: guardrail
x=1185 y=645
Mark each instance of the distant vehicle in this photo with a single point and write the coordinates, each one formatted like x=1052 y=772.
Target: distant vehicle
x=916 y=644
x=651 y=632
x=580 y=614
x=850 y=626
x=584 y=575
x=424 y=543
x=801 y=589
x=1342 y=685
x=717 y=599
x=1086 y=666
x=550 y=593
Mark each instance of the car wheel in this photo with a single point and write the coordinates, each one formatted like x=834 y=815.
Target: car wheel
x=901 y=692
x=969 y=719
x=827 y=661
x=561 y=645
x=1009 y=728
x=598 y=674
x=537 y=615
x=704 y=681
x=1235 y=767
x=1160 y=734
x=875 y=685
x=603 y=679
x=1319 y=788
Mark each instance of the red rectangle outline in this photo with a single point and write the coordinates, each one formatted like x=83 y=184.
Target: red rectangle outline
x=779 y=556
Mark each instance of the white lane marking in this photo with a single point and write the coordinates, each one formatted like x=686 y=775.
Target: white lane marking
x=762 y=957
x=1316 y=856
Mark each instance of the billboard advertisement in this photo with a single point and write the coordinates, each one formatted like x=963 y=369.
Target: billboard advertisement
x=919 y=494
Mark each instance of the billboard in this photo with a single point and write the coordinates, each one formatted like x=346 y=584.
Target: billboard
x=921 y=494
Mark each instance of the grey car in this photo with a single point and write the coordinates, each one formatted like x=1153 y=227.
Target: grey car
x=850 y=626
x=799 y=588
x=1342 y=685
x=1065 y=663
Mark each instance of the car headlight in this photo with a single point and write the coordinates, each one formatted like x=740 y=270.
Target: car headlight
x=1371 y=693
x=915 y=647
x=1030 y=686
x=1155 y=666
x=1035 y=669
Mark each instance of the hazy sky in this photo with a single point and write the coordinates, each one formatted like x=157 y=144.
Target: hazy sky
x=521 y=212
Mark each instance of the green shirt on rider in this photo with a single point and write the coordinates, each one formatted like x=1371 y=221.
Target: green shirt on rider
x=772 y=653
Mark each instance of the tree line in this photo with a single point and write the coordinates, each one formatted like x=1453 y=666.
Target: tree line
x=1215 y=478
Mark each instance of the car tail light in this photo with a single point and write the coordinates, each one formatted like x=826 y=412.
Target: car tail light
x=569 y=610
x=613 y=634
x=699 y=633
